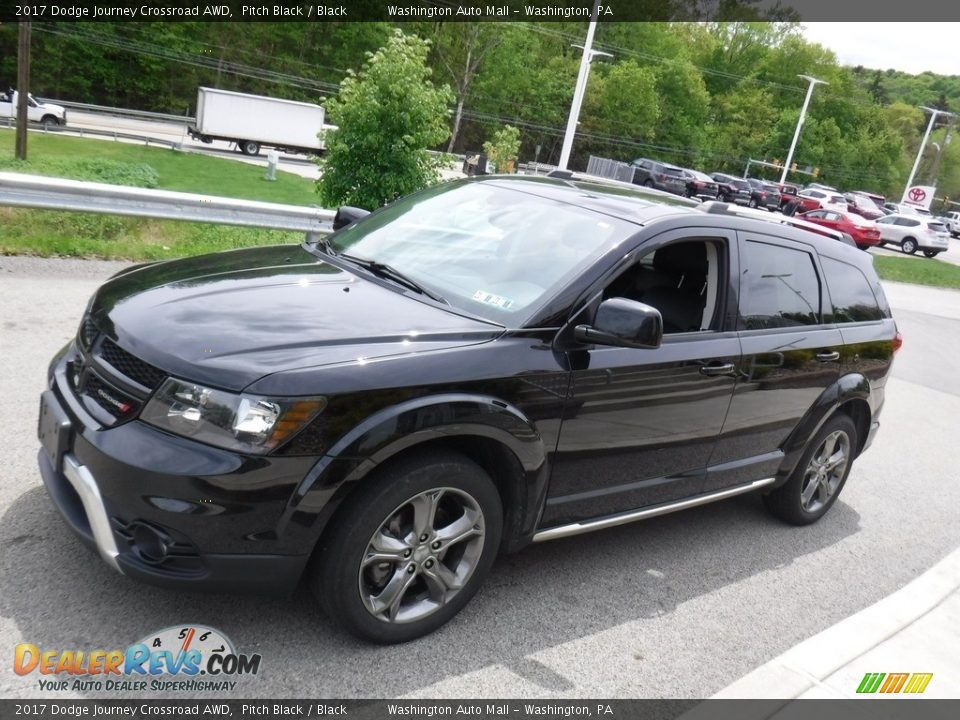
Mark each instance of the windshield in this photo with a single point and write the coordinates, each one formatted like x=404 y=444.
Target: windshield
x=937 y=227
x=492 y=251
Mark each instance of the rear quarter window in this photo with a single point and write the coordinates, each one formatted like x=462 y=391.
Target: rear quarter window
x=854 y=297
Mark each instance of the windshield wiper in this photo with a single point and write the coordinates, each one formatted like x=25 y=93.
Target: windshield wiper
x=391 y=273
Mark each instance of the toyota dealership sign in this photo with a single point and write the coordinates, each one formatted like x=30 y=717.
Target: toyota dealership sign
x=919 y=196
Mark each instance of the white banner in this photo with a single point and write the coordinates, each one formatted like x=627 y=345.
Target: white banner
x=919 y=196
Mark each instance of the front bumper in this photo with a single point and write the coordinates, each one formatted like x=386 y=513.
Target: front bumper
x=170 y=511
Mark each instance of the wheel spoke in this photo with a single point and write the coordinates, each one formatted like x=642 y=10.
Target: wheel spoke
x=466 y=526
x=425 y=511
x=384 y=548
x=835 y=460
x=826 y=450
x=809 y=489
x=391 y=596
x=440 y=580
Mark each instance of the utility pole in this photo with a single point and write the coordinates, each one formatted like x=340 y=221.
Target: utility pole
x=23 y=88
x=580 y=89
x=923 y=145
x=803 y=114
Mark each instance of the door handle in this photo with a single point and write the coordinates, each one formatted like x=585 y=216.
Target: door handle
x=832 y=356
x=714 y=370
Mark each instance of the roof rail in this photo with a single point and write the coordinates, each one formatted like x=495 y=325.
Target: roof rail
x=721 y=208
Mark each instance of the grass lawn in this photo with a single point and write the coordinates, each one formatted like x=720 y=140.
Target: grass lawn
x=52 y=233
x=919 y=272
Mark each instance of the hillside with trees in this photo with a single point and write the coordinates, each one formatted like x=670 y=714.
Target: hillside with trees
x=707 y=95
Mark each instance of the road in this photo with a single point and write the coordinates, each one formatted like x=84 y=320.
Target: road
x=678 y=606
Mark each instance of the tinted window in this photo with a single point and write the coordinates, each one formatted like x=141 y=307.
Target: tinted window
x=906 y=222
x=853 y=300
x=779 y=288
x=886 y=220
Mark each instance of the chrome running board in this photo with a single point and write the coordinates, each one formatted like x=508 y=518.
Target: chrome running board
x=635 y=515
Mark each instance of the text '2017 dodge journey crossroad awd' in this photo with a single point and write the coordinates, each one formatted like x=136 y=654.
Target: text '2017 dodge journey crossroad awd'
x=477 y=366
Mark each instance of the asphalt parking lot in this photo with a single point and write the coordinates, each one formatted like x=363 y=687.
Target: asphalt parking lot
x=678 y=606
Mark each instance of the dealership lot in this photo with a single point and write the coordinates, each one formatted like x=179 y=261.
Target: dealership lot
x=678 y=606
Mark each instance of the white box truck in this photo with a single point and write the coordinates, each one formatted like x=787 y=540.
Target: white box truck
x=255 y=121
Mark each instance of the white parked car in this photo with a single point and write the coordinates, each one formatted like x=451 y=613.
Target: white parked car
x=914 y=232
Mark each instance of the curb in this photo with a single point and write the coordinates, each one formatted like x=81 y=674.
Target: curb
x=815 y=659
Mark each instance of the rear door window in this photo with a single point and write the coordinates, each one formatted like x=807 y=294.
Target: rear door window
x=779 y=287
x=850 y=292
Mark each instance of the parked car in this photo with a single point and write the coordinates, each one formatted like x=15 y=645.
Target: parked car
x=242 y=420
x=814 y=199
x=878 y=200
x=659 y=175
x=904 y=209
x=732 y=189
x=863 y=206
x=914 y=232
x=952 y=221
x=820 y=186
x=700 y=185
x=864 y=232
x=763 y=194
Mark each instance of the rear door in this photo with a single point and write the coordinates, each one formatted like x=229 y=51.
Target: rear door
x=791 y=354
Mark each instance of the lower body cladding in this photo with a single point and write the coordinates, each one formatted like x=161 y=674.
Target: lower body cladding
x=198 y=519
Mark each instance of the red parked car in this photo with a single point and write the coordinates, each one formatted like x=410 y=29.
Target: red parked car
x=864 y=232
x=864 y=206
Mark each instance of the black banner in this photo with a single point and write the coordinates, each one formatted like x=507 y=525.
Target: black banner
x=914 y=709
x=400 y=11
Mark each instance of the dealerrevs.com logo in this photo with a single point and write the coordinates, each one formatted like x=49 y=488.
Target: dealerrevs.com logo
x=908 y=683
x=187 y=658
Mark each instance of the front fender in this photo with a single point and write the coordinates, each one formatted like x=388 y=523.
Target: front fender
x=853 y=386
x=400 y=427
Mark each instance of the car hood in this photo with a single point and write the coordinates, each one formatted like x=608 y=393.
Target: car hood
x=231 y=318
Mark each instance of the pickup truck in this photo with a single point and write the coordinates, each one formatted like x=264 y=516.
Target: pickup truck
x=952 y=221
x=47 y=114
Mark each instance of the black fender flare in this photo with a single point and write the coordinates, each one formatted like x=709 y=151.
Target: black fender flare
x=400 y=427
x=852 y=386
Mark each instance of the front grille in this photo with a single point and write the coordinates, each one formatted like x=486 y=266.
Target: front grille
x=117 y=404
x=131 y=366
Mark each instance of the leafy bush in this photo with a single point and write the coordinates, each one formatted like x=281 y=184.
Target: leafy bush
x=503 y=149
x=387 y=115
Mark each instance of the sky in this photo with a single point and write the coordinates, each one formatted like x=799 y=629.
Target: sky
x=910 y=47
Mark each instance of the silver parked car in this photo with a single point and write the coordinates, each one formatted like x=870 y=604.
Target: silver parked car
x=914 y=232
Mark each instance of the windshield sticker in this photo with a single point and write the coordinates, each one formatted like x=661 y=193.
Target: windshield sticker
x=491 y=299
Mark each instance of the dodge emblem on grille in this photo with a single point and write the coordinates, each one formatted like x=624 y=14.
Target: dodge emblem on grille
x=118 y=404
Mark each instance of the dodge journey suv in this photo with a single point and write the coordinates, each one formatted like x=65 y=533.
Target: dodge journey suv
x=476 y=367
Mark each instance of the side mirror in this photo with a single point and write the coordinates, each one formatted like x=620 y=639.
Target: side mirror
x=346 y=215
x=623 y=323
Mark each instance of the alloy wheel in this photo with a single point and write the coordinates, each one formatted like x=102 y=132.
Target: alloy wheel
x=825 y=471
x=422 y=555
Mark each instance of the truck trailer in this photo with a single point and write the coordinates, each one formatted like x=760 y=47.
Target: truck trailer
x=255 y=121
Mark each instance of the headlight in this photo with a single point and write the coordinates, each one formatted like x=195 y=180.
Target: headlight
x=247 y=423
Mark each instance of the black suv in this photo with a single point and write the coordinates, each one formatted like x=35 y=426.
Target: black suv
x=478 y=366
x=659 y=175
x=732 y=189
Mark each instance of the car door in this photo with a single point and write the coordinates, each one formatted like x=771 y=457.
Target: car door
x=641 y=424
x=790 y=356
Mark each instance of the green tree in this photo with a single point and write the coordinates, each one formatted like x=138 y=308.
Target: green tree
x=503 y=148
x=388 y=115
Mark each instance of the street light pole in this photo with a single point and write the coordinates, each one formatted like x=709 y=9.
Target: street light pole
x=923 y=145
x=578 y=91
x=803 y=114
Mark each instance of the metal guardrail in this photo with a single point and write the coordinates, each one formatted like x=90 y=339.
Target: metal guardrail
x=46 y=193
x=147 y=140
x=120 y=112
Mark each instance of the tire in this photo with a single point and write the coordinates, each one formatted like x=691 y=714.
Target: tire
x=49 y=121
x=931 y=253
x=808 y=494
x=648 y=183
x=458 y=491
x=249 y=147
x=752 y=203
x=909 y=246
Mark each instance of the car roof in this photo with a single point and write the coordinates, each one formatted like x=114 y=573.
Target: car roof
x=625 y=201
